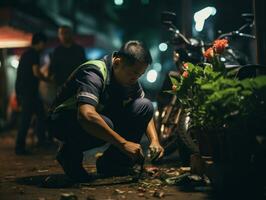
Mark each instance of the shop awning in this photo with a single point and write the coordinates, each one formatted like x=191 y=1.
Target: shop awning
x=14 y=38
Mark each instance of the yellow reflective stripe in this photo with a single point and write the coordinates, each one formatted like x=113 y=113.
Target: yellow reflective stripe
x=70 y=103
x=100 y=64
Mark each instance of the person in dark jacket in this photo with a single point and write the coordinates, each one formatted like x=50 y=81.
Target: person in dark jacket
x=66 y=57
x=102 y=101
x=27 y=91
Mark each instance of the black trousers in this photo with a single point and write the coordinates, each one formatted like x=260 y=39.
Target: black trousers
x=30 y=106
x=129 y=121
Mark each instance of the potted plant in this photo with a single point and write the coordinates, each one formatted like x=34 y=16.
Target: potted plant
x=229 y=111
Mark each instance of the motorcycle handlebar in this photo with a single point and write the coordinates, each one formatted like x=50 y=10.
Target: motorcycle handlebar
x=236 y=33
x=178 y=35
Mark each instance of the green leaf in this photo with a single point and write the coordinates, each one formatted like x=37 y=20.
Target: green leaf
x=246 y=92
x=169 y=91
x=260 y=82
x=174 y=81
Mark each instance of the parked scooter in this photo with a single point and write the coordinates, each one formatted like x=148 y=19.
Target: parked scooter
x=173 y=123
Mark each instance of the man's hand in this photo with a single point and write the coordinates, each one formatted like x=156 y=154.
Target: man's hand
x=133 y=150
x=156 y=150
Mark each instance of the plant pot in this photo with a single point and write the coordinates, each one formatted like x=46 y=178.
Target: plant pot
x=232 y=168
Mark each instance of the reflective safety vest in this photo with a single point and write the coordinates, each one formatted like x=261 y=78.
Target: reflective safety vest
x=71 y=102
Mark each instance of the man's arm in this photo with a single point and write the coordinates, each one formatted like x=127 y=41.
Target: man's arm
x=154 y=140
x=37 y=73
x=151 y=132
x=53 y=63
x=94 y=125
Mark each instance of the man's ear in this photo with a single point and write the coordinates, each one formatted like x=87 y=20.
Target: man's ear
x=116 y=61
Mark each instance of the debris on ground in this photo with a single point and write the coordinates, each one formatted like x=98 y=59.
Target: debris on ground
x=154 y=179
x=174 y=180
x=185 y=169
x=42 y=170
x=68 y=196
x=141 y=194
x=117 y=191
x=153 y=182
x=158 y=194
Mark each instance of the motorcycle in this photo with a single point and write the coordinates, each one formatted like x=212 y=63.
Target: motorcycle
x=172 y=121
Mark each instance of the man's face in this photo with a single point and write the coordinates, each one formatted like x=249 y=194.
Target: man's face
x=65 y=35
x=128 y=75
x=41 y=46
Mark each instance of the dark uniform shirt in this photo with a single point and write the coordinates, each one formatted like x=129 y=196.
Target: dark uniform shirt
x=87 y=84
x=26 y=83
x=64 y=60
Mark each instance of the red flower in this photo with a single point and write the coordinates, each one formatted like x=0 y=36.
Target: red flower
x=209 y=54
x=185 y=74
x=219 y=45
x=174 y=87
x=185 y=65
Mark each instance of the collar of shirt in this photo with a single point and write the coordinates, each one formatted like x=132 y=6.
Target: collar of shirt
x=108 y=62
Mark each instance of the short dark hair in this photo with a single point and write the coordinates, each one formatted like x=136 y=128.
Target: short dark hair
x=66 y=27
x=38 y=37
x=133 y=51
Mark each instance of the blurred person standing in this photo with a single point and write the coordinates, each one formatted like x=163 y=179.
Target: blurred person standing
x=66 y=57
x=27 y=91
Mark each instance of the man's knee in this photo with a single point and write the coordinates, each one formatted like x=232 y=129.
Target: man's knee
x=143 y=107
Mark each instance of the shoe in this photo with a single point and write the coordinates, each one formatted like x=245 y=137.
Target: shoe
x=72 y=166
x=107 y=168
